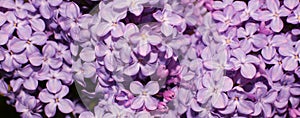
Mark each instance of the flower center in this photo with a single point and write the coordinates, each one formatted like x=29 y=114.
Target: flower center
x=28 y=41
x=276 y=14
x=56 y=100
x=296 y=56
x=144 y=93
x=228 y=21
x=279 y=62
x=228 y=41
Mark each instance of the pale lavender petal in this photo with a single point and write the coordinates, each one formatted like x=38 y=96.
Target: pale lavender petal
x=87 y=54
x=152 y=87
x=291 y=4
x=248 y=70
x=268 y=52
x=132 y=69
x=150 y=103
x=137 y=103
x=54 y=85
x=50 y=109
x=136 y=87
x=276 y=24
x=289 y=64
x=110 y=62
x=148 y=69
x=31 y=83
x=219 y=100
x=65 y=106
x=245 y=107
x=45 y=96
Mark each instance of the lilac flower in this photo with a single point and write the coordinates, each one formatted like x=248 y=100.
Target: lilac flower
x=147 y=65
x=54 y=100
x=46 y=59
x=117 y=111
x=264 y=99
x=238 y=102
x=110 y=55
x=219 y=62
x=45 y=7
x=269 y=51
x=207 y=28
x=275 y=12
x=29 y=41
x=98 y=113
x=227 y=18
x=144 y=39
x=168 y=19
x=13 y=60
x=214 y=91
x=111 y=21
x=250 y=11
x=14 y=24
x=245 y=63
x=135 y=6
x=20 y=8
x=62 y=52
x=144 y=92
x=85 y=70
x=295 y=17
x=251 y=40
x=238 y=5
x=228 y=38
x=283 y=87
x=290 y=62
x=29 y=107
x=276 y=71
x=36 y=23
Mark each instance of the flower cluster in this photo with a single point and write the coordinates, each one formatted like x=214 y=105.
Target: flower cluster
x=151 y=58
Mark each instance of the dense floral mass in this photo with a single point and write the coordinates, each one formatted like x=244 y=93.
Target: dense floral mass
x=150 y=58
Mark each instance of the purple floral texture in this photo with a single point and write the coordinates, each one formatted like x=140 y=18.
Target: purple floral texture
x=55 y=100
x=168 y=19
x=244 y=63
x=144 y=93
x=274 y=12
x=227 y=18
x=290 y=62
x=238 y=103
x=214 y=91
x=264 y=99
